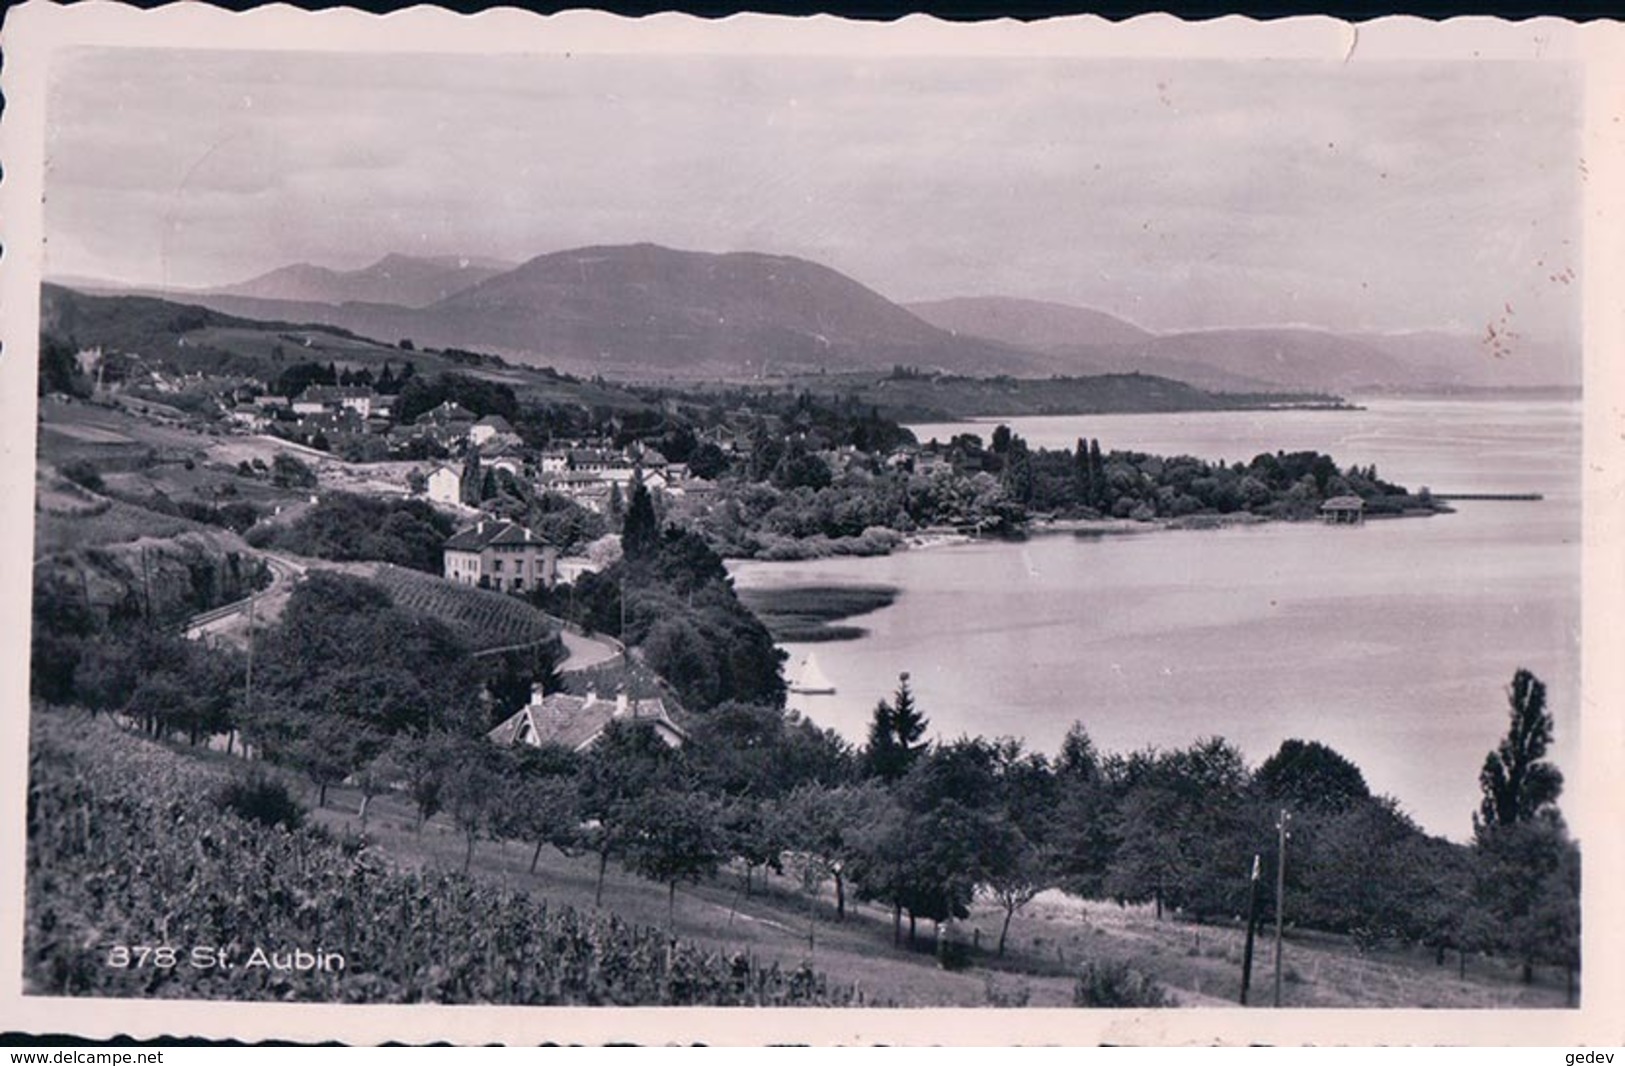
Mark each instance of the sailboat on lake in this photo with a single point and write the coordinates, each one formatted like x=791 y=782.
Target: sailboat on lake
x=809 y=679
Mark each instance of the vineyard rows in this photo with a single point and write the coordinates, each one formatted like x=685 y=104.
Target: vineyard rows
x=126 y=847
x=484 y=618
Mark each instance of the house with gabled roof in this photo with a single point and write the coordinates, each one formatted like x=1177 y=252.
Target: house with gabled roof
x=579 y=722
x=500 y=555
x=493 y=428
x=445 y=485
x=597 y=461
x=447 y=413
x=331 y=399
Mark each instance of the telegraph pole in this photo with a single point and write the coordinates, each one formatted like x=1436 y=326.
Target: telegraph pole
x=1280 y=890
x=1252 y=925
x=248 y=675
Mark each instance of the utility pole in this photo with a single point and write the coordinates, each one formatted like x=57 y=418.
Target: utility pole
x=1280 y=890
x=248 y=681
x=1252 y=926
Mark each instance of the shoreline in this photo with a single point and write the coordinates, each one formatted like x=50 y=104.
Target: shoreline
x=910 y=421
x=935 y=539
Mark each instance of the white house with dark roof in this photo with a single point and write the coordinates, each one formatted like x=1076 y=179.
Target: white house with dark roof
x=332 y=399
x=599 y=461
x=500 y=555
x=578 y=722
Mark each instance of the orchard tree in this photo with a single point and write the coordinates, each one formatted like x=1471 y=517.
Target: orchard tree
x=826 y=826
x=629 y=762
x=674 y=835
x=542 y=804
x=1528 y=882
x=1309 y=776
x=475 y=790
x=1016 y=872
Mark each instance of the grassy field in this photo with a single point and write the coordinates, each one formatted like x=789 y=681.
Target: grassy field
x=110 y=435
x=69 y=518
x=805 y=613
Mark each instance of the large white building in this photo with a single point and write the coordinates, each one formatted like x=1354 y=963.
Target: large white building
x=500 y=555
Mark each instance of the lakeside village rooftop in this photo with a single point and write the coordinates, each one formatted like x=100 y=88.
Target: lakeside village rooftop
x=577 y=722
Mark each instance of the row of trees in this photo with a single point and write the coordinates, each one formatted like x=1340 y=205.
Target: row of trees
x=295 y=379
x=926 y=829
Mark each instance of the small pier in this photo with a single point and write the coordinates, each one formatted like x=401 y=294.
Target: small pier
x=1451 y=497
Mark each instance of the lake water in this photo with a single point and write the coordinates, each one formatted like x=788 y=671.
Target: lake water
x=1392 y=642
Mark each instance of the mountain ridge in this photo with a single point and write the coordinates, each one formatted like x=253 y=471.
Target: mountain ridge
x=395 y=279
x=644 y=309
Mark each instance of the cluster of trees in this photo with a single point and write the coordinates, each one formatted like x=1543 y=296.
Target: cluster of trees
x=925 y=829
x=559 y=520
x=138 y=599
x=346 y=527
x=783 y=496
x=215 y=505
x=297 y=378
x=758 y=519
x=1085 y=481
x=479 y=395
x=58 y=370
x=669 y=597
x=347 y=673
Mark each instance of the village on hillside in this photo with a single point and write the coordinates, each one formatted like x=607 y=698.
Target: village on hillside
x=443 y=603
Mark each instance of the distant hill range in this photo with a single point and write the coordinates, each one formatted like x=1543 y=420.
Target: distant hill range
x=1087 y=341
x=400 y=280
x=644 y=310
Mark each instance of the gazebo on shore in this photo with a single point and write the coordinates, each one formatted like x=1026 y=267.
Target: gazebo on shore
x=1343 y=511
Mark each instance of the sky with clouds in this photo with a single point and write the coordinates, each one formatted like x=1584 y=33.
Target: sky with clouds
x=1178 y=193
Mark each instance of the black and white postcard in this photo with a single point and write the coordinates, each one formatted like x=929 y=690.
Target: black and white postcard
x=900 y=532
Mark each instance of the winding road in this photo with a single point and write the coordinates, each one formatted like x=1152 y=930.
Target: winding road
x=285 y=573
x=586 y=652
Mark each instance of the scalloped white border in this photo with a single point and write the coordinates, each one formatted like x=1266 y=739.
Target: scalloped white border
x=34 y=31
